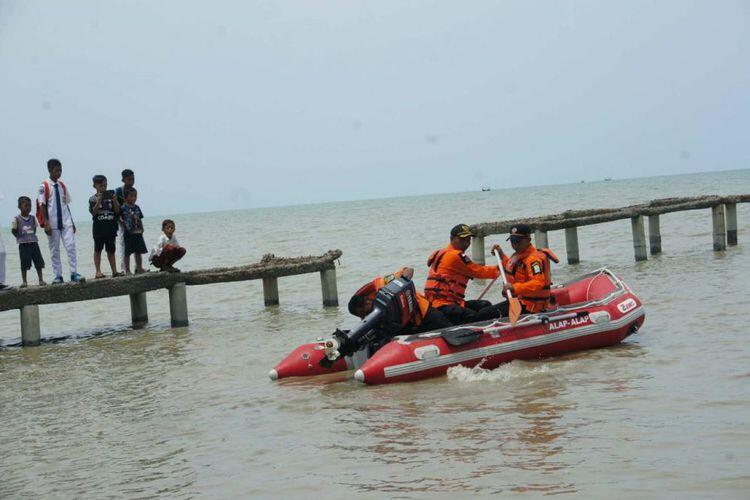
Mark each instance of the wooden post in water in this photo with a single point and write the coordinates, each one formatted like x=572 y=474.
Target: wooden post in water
x=477 y=249
x=731 y=216
x=639 y=238
x=271 y=291
x=720 y=228
x=654 y=234
x=178 y=309
x=30 y=331
x=571 y=245
x=138 y=309
x=328 y=284
x=540 y=239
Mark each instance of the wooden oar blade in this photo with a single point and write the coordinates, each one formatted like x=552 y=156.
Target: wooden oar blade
x=514 y=311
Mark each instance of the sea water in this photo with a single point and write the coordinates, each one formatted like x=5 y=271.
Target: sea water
x=185 y=412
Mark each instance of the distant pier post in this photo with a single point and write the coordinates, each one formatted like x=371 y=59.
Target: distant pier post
x=178 y=308
x=540 y=239
x=571 y=245
x=30 y=331
x=138 y=309
x=731 y=216
x=328 y=284
x=639 y=238
x=720 y=228
x=477 y=249
x=654 y=234
x=271 y=291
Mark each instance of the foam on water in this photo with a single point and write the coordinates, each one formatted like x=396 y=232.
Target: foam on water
x=515 y=370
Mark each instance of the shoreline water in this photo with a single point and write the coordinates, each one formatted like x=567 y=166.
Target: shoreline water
x=190 y=412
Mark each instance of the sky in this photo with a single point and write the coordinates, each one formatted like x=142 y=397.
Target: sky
x=234 y=105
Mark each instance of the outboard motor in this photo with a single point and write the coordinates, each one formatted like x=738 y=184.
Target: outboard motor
x=393 y=309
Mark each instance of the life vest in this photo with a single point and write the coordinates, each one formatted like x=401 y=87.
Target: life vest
x=521 y=271
x=441 y=287
x=47 y=190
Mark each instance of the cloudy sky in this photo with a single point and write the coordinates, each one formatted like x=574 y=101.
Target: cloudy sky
x=220 y=105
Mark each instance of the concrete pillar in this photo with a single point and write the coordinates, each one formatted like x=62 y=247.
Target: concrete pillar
x=477 y=249
x=30 y=331
x=639 y=238
x=540 y=239
x=328 y=284
x=720 y=228
x=571 y=245
x=271 y=291
x=138 y=309
x=731 y=215
x=178 y=308
x=654 y=234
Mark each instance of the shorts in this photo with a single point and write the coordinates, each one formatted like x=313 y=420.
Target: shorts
x=134 y=244
x=29 y=252
x=104 y=242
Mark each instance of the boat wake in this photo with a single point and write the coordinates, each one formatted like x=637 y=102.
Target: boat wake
x=515 y=370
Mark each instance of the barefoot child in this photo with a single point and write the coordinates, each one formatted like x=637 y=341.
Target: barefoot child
x=167 y=250
x=128 y=179
x=131 y=217
x=105 y=211
x=23 y=228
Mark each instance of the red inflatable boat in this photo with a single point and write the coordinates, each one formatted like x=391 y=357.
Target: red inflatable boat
x=595 y=310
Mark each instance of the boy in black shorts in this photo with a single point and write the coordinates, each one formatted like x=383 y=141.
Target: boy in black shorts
x=105 y=211
x=131 y=218
x=24 y=229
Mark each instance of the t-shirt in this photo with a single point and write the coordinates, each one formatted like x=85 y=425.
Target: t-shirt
x=105 y=222
x=131 y=219
x=25 y=229
x=163 y=241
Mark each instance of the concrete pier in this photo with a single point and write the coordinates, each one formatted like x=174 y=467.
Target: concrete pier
x=571 y=245
x=731 y=217
x=654 y=234
x=136 y=287
x=477 y=249
x=720 y=228
x=639 y=238
x=328 y=284
x=540 y=239
x=30 y=331
x=138 y=309
x=271 y=291
x=178 y=308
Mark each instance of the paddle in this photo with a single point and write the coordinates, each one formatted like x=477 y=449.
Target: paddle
x=486 y=289
x=514 y=309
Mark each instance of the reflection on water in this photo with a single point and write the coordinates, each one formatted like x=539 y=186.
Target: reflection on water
x=190 y=412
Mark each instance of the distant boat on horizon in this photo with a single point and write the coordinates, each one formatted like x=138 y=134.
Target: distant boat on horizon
x=486 y=188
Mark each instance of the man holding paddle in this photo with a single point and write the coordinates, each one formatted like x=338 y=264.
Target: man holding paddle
x=529 y=277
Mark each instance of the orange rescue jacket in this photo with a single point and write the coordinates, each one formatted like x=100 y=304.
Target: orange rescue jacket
x=450 y=272
x=529 y=272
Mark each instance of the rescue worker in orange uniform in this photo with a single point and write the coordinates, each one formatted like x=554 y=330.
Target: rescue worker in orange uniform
x=528 y=272
x=426 y=318
x=450 y=272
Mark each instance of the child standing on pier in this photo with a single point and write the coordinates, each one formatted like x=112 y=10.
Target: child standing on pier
x=53 y=213
x=167 y=250
x=128 y=180
x=105 y=211
x=131 y=217
x=23 y=228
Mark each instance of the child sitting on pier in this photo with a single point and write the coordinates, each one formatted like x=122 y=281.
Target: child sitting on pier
x=105 y=210
x=167 y=250
x=131 y=217
x=23 y=228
